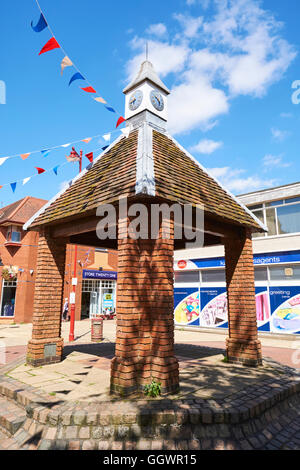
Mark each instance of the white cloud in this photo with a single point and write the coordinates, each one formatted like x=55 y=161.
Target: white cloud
x=158 y=29
x=279 y=135
x=233 y=180
x=286 y=115
x=274 y=161
x=206 y=146
x=236 y=49
x=165 y=57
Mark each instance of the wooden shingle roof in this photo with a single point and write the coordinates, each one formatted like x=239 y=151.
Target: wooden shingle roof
x=130 y=166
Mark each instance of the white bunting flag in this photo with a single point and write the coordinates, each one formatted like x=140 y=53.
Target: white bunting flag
x=65 y=145
x=25 y=180
x=2 y=160
x=106 y=137
x=125 y=131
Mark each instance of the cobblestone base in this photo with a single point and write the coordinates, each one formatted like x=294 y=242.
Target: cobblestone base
x=265 y=416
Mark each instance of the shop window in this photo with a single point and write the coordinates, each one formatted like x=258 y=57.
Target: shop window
x=213 y=275
x=285 y=273
x=261 y=274
x=288 y=218
x=187 y=276
x=13 y=234
x=260 y=215
x=271 y=221
x=8 y=298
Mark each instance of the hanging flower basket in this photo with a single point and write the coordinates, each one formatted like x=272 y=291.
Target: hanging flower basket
x=9 y=273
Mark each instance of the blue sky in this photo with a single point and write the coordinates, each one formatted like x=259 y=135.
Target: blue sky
x=230 y=67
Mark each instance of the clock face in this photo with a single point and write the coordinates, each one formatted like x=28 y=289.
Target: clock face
x=135 y=100
x=157 y=100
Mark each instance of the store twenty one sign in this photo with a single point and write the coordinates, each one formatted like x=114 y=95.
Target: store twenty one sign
x=93 y=274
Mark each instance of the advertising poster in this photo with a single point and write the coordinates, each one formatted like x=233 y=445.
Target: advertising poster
x=186 y=306
x=285 y=308
x=213 y=307
x=263 y=309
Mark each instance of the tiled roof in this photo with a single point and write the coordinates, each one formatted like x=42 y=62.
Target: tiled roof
x=181 y=179
x=20 y=211
x=176 y=177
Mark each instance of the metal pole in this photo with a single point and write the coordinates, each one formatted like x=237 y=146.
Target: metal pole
x=72 y=315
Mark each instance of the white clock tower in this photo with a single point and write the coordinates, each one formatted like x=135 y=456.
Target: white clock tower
x=146 y=98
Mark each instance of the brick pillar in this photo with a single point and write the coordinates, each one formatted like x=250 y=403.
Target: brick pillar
x=145 y=325
x=46 y=343
x=242 y=345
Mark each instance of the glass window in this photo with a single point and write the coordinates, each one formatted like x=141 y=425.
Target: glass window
x=213 y=275
x=257 y=206
x=271 y=222
x=289 y=218
x=187 y=276
x=13 y=234
x=285 y=273
x=261 y=274
x=260 y=216
x=274 y=203
x=292 y=199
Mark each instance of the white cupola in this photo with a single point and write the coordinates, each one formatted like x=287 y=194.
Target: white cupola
x=146 y=98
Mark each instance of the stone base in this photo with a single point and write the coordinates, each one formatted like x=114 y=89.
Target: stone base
x=244 y=352
x=129 y=376
x=41 y=352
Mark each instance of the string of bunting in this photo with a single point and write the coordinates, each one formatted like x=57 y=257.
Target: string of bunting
x=52 y=44
x=45 y=151
x=89 y=156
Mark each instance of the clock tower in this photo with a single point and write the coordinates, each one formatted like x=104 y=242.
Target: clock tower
x=146 y=98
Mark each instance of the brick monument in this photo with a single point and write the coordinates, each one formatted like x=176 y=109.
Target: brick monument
x=147 y=166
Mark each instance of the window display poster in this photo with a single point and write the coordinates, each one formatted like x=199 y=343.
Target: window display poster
x=213 y=307
x=263 y=310
x=285 y=308
x=186 y=306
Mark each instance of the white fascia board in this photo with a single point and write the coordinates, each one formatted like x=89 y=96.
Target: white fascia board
x=70 y=183
x=218 y=182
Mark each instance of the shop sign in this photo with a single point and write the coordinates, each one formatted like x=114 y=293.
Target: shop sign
x=93 y=274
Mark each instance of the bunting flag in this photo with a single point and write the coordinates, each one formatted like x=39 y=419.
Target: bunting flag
x=107 y=137
x=66 y=62
x=89 y=89
x=1 y=187
x=87 y=140
x=90 y=156
x=50 y=45
x=76 y=76
x=24 y=155
x=120 y=120
x=41 y=24
x=40 y=170
x=45 y=152
x=2 y=160
x=25 y=180
x=100 y=100
x=13 y=186
x=110 y=109
x=105 y=147
x=55 y=169
x=66 y=145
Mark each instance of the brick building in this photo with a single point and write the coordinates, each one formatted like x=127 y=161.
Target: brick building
x=18 y=251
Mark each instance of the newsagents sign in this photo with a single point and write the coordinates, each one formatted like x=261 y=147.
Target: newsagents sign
x=258 y=259
x=93 y=274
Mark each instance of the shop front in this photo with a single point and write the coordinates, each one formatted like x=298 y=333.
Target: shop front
x=98 y=295
x=200 y=298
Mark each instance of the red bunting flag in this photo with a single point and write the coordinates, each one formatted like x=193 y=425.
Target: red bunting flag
x=89 y=89
x=120 y=120
x=40 y=170
x=24 y=155
x=89 y=156
x=51 y=44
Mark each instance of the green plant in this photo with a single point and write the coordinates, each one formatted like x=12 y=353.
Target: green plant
x=225 y=359
x=153 y=389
